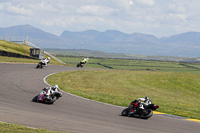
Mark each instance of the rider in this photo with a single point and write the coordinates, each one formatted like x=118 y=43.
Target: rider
x=84 y=60
x=46 y=92
x=138 y=103
x=46 y=60
x=55 y=88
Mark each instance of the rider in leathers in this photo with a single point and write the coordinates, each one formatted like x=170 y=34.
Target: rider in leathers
x=46 y=92
x=84 y=61
x=46 y=61
x=138 y=104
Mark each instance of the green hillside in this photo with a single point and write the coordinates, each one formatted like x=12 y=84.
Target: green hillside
x=22 y=49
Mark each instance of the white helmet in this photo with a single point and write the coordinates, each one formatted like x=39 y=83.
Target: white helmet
x=48 y=58
x=87 y=58
x=55 y=86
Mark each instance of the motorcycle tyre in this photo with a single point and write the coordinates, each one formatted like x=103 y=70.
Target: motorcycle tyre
x=38 y=66
x=50 y=101
x=78 y=64
x=35 y=98
x=125 y=112
x=41 y=66
x=147 y=116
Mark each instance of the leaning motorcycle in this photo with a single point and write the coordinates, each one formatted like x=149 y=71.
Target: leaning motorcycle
x=80 y=64
x=144 y=113
x=49 y=99
x=41 y=64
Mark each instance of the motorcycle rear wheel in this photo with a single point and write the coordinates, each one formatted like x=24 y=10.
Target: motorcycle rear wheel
x=50 y=101
x=150 y=113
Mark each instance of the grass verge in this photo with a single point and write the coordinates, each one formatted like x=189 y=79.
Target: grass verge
x=136 y=65
x=14 y=128
x=175 y=93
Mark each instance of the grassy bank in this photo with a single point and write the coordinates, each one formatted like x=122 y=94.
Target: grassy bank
x=14 y=128
x=22 y=49
x=15 y=48
x=175 y=93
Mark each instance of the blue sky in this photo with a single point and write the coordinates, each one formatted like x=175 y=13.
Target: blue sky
x=161 y=18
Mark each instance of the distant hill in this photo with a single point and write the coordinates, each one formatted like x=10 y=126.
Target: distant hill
x=110 y=41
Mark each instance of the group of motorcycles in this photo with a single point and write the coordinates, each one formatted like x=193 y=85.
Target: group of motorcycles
x=45 y=61
x=52 y=97
x=144 y=113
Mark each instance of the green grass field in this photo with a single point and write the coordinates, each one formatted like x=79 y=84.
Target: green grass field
x=14 y=128
x=136 y=65
x=175 y=93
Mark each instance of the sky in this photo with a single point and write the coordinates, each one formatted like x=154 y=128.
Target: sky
x=161 y=18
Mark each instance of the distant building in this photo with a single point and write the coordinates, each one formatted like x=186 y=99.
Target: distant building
x=36 y=52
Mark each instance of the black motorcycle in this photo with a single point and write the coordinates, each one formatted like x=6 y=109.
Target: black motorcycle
x=80 y=64
x=144 y=113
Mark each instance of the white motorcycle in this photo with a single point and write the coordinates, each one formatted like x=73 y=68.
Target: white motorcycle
x=42 y=63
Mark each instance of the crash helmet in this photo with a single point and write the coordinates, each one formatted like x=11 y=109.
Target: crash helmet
x=54 y=87
x=147 y=98
x=48 y=58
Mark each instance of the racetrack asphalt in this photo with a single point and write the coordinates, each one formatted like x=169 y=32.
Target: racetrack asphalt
x=19 y=83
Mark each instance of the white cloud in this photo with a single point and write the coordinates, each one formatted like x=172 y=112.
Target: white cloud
x=15 y=9
x=131 y=2
x=158 y=17
x=95 y=10
x=146 y=2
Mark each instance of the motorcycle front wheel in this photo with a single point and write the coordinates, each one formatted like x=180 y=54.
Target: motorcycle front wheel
x=125 y=112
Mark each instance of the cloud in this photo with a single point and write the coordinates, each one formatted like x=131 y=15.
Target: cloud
x=131 y=2
x=146 y=2
x=158 y=17
x=95 y=10
x=15 y=9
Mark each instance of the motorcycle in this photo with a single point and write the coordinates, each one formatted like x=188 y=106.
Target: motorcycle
x=80 y=64
x=144 y=113
x=41 y=64
x=48 y=99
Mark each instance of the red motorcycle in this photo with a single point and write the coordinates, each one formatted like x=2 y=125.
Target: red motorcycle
x=48 y=99
x=144 y=113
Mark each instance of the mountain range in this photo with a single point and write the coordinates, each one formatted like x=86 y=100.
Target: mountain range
x=111 y=41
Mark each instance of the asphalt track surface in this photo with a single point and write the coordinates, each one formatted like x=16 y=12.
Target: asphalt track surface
x=19 y=83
